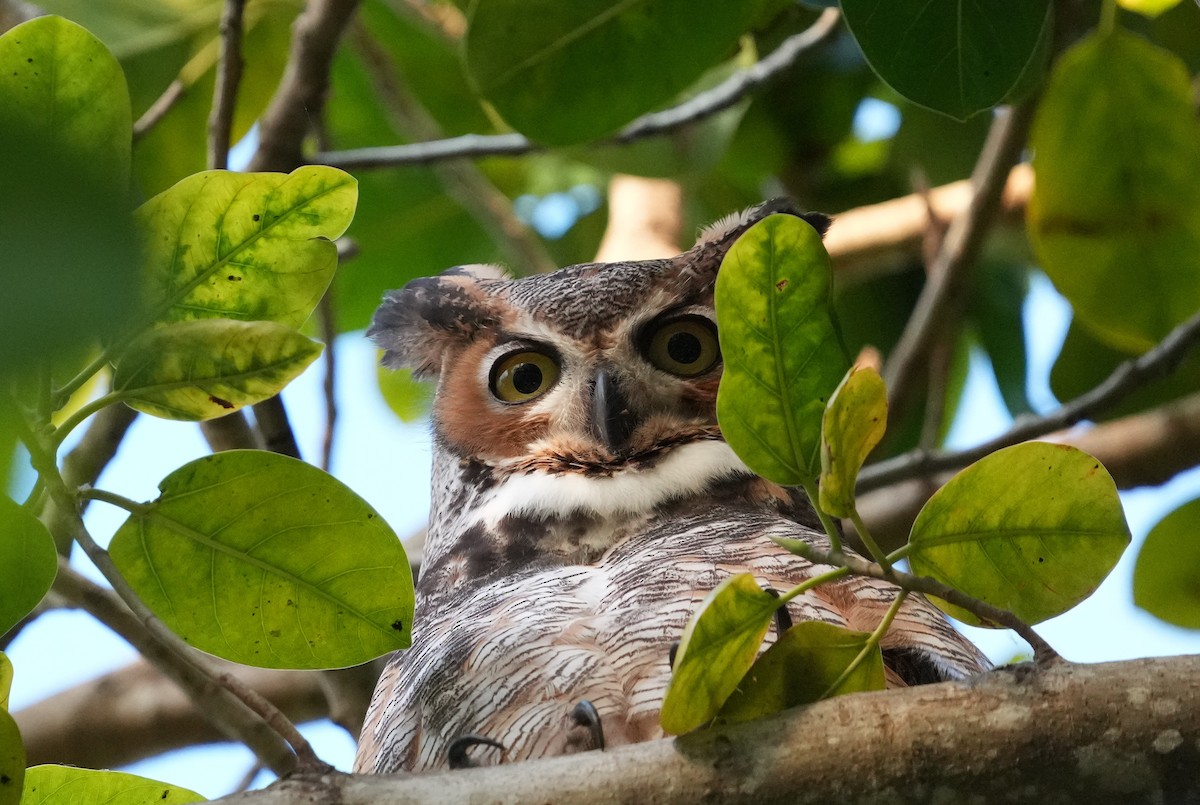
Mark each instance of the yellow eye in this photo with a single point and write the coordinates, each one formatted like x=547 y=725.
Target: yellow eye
x=523 y=376
x=685 y=346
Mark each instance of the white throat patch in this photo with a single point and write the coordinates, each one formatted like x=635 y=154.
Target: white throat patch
x=685 y=470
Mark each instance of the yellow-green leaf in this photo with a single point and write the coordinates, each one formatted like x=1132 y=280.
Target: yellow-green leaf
x=12 y=761
x=409 y=399
x=853 y=423
x=268 y=561
x=805 y=665
x=1166 y=578
x=29 y=563
x=782 y=350
x=254 y=247
x=1033 y=529
x=205 y=368
x=6 y=678
x=1148 y=8
x=66 y=785
x=717 y=648
x=1115 y=214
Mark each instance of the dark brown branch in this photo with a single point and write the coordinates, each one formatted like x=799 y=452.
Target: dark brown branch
x=1129 y=376
x=229 y=432
x=948 y=281
x=229 y=75
x=654 y=124
x=1110 y=733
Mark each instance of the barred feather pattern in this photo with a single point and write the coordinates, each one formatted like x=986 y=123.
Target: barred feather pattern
x=508 y=657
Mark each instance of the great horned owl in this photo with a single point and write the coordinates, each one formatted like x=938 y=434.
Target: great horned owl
x=584 y=504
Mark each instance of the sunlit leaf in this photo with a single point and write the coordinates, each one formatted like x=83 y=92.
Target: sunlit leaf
x=12 y=761
x=1166 y=578
x=564 y=73
x=6 y=678
x=782 y=350
x=29 y=564
x=1115 y=214
x=66 y=785
x=205 y=368
x=717 y=648
x=802 y=667
x=853 y=423
x=245 y=246
x=1033 y=529
x=954 y=57
x=409 y=399
x=1148 y=8
x=69 y=260
x=268 y=561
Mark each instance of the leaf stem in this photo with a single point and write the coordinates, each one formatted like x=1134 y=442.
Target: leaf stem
x=63 y=430
x=815 y=581
x=1108 y=17
x=827 y=522
x=864 y=534
x=113 y=499
x=872 y=642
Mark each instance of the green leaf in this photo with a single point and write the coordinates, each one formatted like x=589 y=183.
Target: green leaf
x=717 y=648
x=409 y=399
x=996 y=312
x=803 y=667
x=565 y=73
x=30 y=563
x=205 y=368
x=66 y=785
x=12 y=761
x=1033 y=529
x=65 y=129
x=268 y=561
x=6 y=678
x=1166 y=578
x=245 y=246
x=1115 y=215
x=1148 y=8
x=954 y=57
x=782 y=350
x=853 y=423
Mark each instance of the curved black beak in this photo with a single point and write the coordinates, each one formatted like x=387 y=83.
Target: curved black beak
x=612 y=419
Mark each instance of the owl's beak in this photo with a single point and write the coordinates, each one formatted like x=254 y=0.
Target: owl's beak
x=612 y=419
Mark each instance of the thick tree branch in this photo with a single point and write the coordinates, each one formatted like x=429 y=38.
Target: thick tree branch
x=1124 y=732
x=645 y=219
x=654 y=124
x=229 y=75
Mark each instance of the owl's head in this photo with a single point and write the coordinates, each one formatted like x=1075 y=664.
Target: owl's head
x=595 y=371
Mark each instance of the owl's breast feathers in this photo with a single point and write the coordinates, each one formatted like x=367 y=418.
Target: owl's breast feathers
x=506 y=653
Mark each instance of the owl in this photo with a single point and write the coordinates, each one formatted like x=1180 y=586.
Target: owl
x=584 y=504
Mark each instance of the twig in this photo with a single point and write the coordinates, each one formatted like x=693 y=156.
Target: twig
x=229 y=432
x=1042 y=650
x=1129 y=376
x=158 y=110
x=463 y=181
x=325 y=320
x=947 y=282
x=697 y=108
x=229 y=75
x=180 y=663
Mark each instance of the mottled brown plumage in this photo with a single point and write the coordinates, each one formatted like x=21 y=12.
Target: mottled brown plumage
x=576 y=528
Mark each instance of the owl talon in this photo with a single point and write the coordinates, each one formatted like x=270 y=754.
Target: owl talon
x=459 y=759
x=585 y=715
x=783 y=618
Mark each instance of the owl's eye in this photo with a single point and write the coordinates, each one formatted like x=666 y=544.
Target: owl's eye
x=686 y=346
x=523 y=376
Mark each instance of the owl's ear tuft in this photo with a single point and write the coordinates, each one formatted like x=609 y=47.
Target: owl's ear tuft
x=703 y=259
x=417 y=324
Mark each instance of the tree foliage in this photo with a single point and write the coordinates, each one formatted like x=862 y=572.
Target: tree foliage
x=139 y=272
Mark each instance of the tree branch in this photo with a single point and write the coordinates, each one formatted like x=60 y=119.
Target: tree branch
x=229 y=75
x=945 y=289
x=1158 y=362
x=1115 y=732
x=654 y=124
